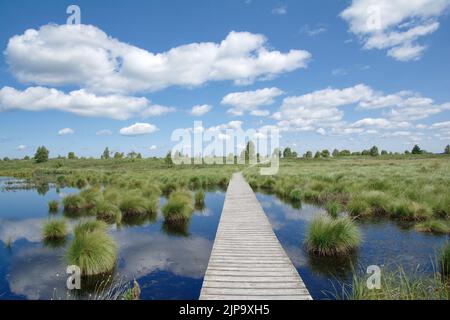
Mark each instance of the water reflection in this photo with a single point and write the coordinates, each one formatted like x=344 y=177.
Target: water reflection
x=385 y=243
x=169 y=261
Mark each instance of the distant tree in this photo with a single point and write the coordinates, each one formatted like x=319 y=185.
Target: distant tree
x=106 y=154
x=168 y=159
x=118 y=155
x=407 y=152
x=384 y=152
x=26 y=158
x=139 y=156
x=308 y=155
x=294 y=154
x=5 y=159
x=356 y=153
x=317 y=155
x=447 y=149
x=416 y=150
x=250 y=152
x=277 y=151
x=287 y=153
x=365 y=152
x=325 y=153
x=344 y=153
x=374 y=151
x=41 y=154
x=336 y=153
x=71 y=155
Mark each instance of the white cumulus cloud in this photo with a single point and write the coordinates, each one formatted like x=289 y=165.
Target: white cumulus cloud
x=395 y=25
x=250 y=101
x=138 y=129
x=200 y=110
x=85 y=56
x=66 y=131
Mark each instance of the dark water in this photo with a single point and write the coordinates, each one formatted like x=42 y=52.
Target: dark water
x=385 y=243
x=167 y=263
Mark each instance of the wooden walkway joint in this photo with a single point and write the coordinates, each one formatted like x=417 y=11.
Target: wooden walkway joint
x=247 y=261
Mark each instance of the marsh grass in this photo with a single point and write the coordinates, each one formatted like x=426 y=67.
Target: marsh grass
x=135 y=205
x=444 y=261
x=397 y=285
x=333 y=209
x=179 y=207
x=331 y=237
x=108 y=212
x=433 y=226
x=54 y=229
x=73 y=203
x=92 y=249
x=53 y=206
x=199 y=200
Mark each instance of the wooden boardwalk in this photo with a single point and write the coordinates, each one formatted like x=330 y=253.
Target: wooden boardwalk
x=247 y=261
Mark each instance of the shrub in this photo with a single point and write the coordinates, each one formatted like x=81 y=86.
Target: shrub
x=54 y=230
x=53 y=206
x=328 y=237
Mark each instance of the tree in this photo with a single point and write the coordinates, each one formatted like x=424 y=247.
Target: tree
x=384 y=152
x=344 y=153
x=41 y=154
x=287 y=153
x=407 y=152
x=308 y=155
x=447 y=149
x=294 y=154
x=336 y=153
x=118 y=155
x=325 y=153
x=374 y=151
x=317 y=155
x=106 y=154
x=71 y=155
x=168 y=159
x=416 y=150
x=26 y=158
x=250 y=152
x=365 y=152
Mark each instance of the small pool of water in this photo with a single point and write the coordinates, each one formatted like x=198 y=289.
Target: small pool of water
x=385 y=243
x=167 y=263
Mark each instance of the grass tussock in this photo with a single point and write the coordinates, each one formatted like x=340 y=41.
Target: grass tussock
x=136 y=205
x=199 y=199
x=73 y=203
x=54 y=229
x=53 y=206
x=433 y=226
x=444 y=260
x=108 y=212
x=92 y=249
x=179 y=207
x=331 y=237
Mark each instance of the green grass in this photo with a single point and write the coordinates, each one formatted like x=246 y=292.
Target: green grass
x=199 y=199
x=73 y=203
x=92 y=249
x=54 y=229
x=444 y=260
x=333 y=209
x=397 y=285
x=179 y=207
x=53 y=206
x=331 y=237
x=108 y=212
x=433 y=226
x=136 y=205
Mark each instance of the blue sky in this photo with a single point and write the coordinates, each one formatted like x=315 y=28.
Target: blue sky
x=328 y=74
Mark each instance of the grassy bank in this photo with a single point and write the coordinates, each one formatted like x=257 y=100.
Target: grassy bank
x=409 y=188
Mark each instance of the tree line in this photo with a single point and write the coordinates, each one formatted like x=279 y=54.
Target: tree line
x=42 y=154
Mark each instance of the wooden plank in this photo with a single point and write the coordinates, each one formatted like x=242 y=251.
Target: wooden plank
x=247 y=261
